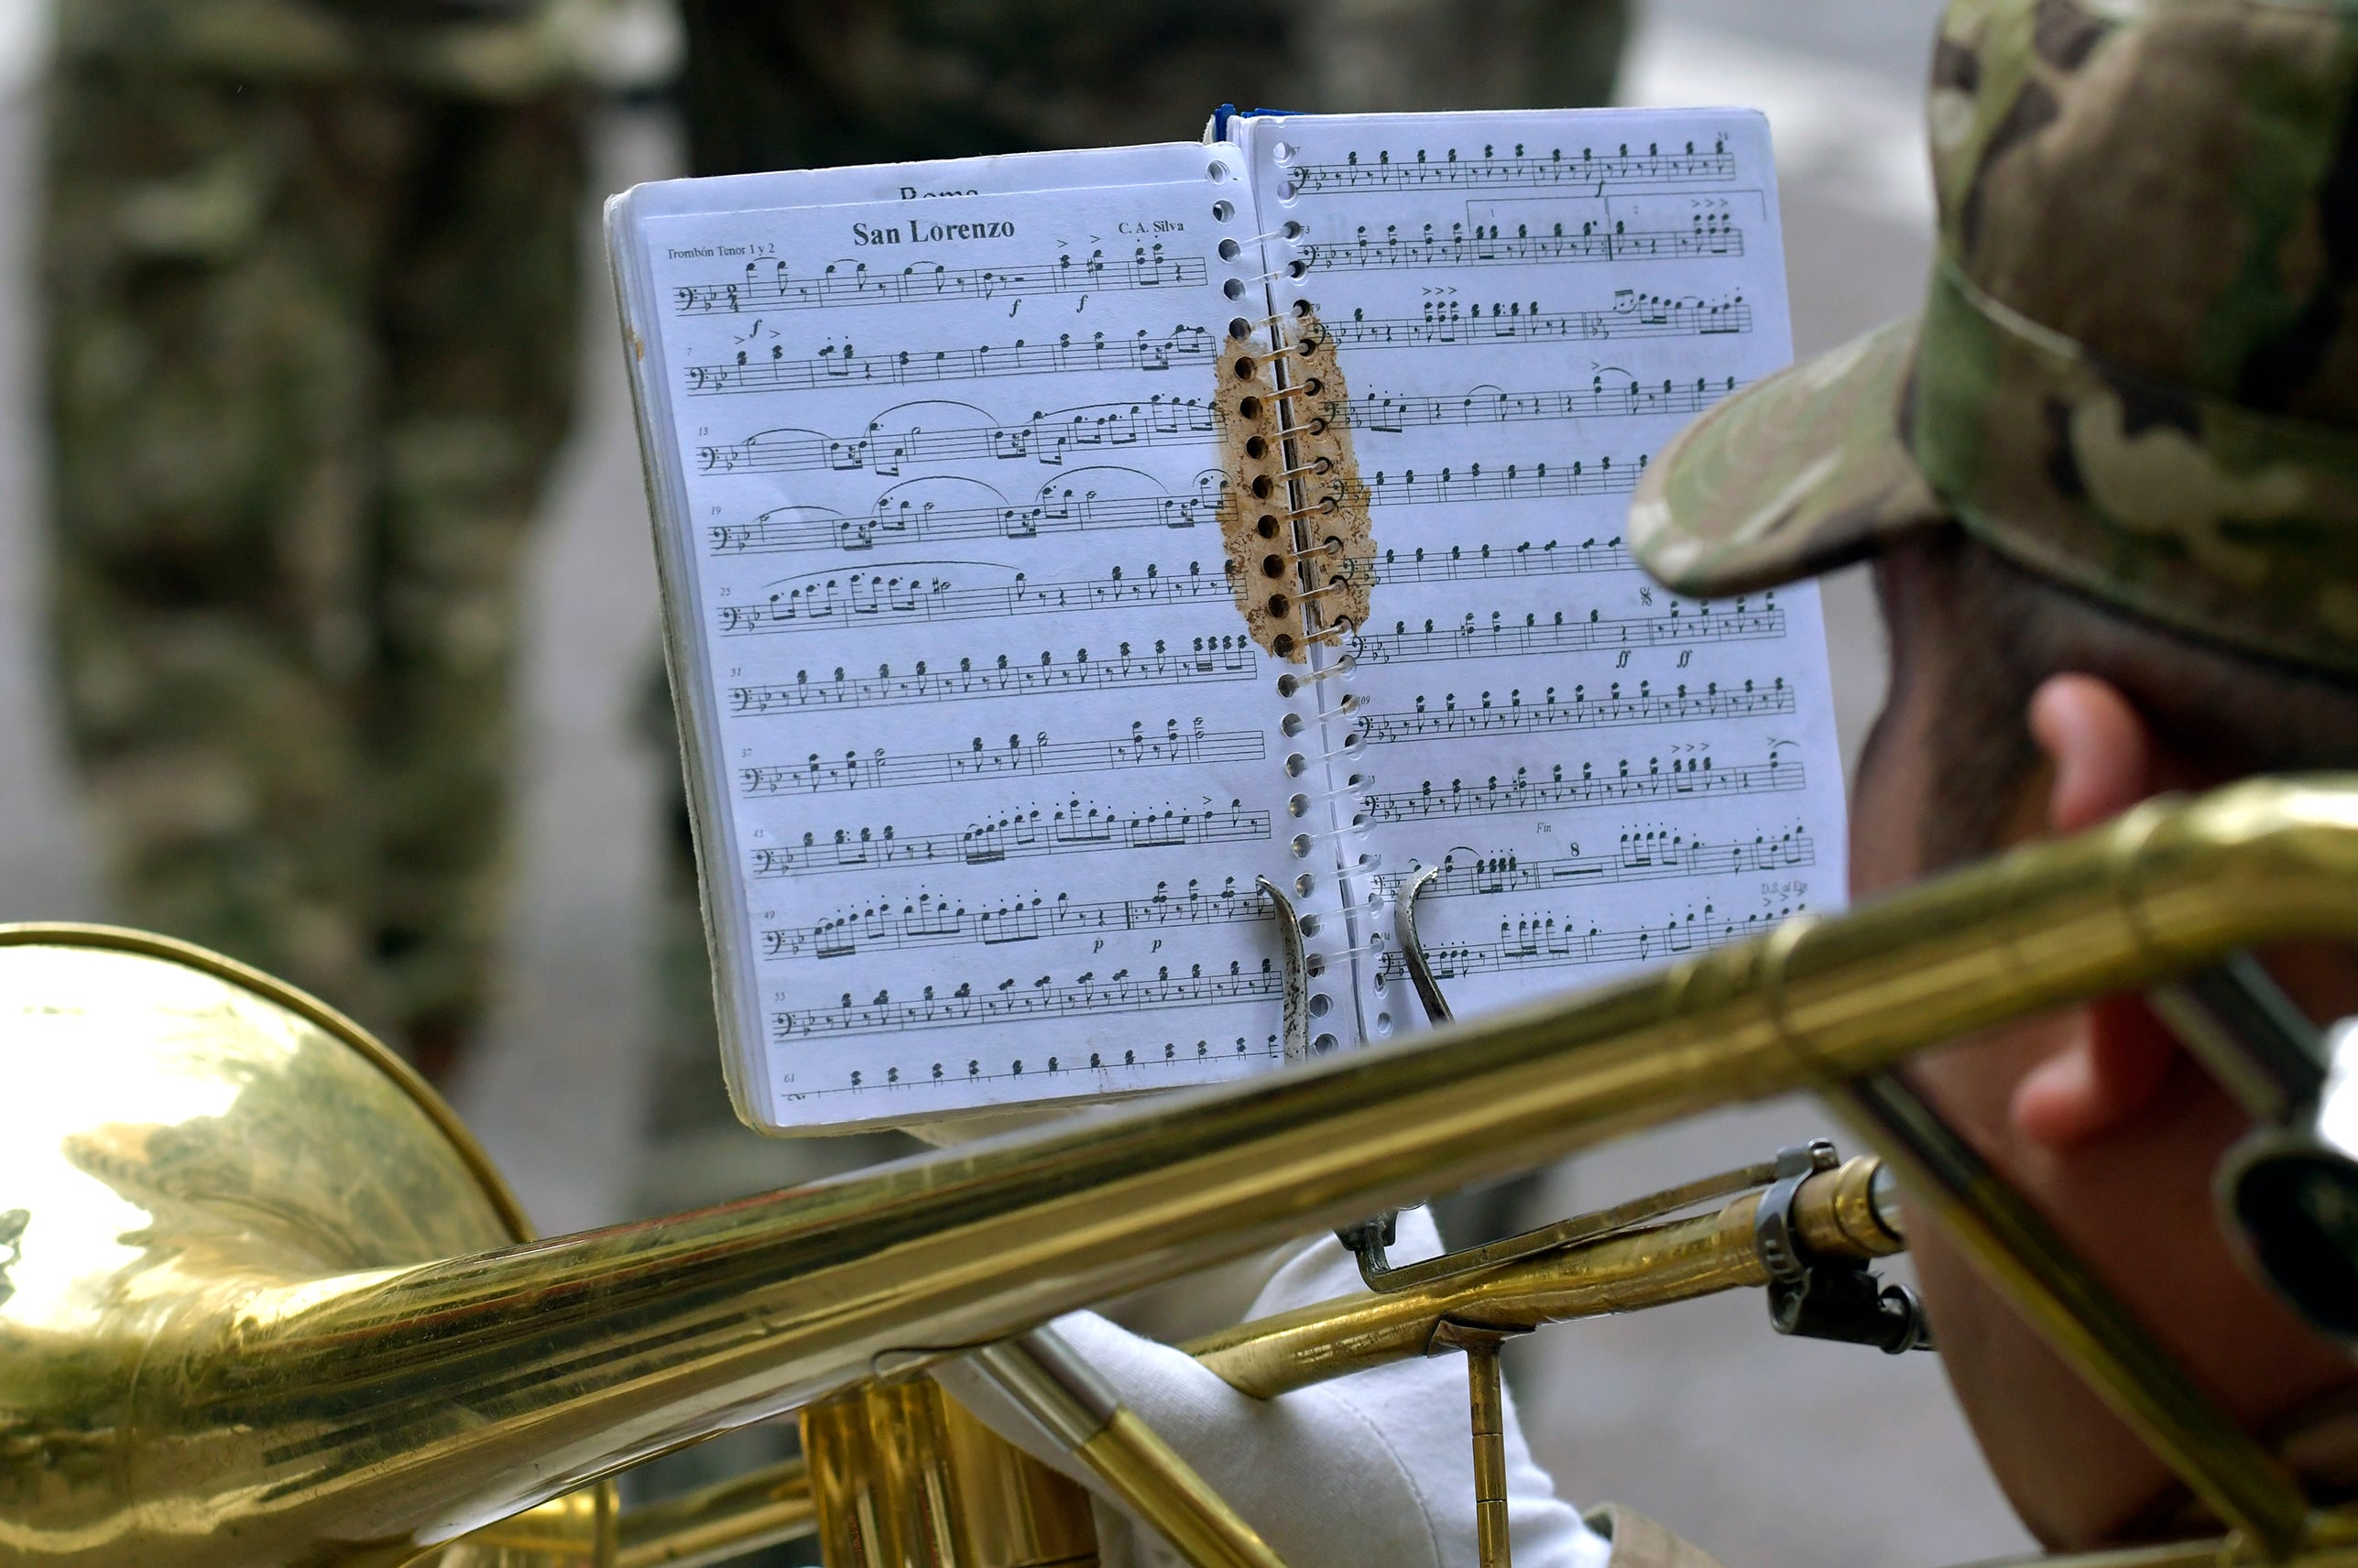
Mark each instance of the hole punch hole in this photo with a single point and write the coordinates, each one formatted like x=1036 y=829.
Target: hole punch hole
x=1293 y=230
x=1287 y=685
x=1291 y=724
x=1311 y=925
x=1383 y=1023
x=1300 y=807
x=1235 y=290
x=1218 y=173
x=1283 y=643
x=1257 y=446
x=1248 y=408
x=1321 y=1005
x=1246 y=367
x=1282 y=152
x=1267 y=527
x=1305 y=883
x=1301 y=846
x=1315 y=964
x=1223 y=211
x=1296 y=764
x=1324 y=1045
x=1273 y=566
x=1280 y=605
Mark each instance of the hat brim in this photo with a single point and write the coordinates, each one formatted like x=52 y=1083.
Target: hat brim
x=1803 y=472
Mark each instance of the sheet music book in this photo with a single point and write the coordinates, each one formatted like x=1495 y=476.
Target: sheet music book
x=1056 y=547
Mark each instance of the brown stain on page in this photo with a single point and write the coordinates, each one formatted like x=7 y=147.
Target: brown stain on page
x=1301 y=555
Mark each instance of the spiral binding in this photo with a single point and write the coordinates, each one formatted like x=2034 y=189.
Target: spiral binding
x=1294 y=580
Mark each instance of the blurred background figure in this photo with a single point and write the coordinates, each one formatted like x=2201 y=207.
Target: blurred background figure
x=311 y=278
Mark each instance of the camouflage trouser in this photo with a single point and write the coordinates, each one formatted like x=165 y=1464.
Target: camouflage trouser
x=786 y=87
x=310 y=354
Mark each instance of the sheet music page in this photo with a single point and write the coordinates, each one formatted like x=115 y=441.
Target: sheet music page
x=1000 y=764
x=1525 y=307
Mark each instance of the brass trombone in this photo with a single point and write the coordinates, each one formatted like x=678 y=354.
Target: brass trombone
x=266 y=1304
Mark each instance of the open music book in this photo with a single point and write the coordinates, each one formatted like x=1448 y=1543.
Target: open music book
x=1054 y=547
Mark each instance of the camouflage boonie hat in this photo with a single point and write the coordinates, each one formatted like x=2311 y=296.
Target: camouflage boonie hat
x=2137 y=369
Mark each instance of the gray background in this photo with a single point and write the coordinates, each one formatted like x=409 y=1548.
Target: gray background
x=1771 y=1453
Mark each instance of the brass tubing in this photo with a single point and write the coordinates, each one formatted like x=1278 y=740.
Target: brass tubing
x=2014 y=1248
x=405 y=1406
x=720 y=1522
x=1132 y=1458
x=1485 y=1394
x=1077 y=1407
x=1648 y=1266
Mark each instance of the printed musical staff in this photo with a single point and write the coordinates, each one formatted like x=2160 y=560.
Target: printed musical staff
x=1499 y=637
x=1018 y=757
x=930 y=920
x=1207 y=659
x=1480 y=247
x=1052 y=439
x=1585 y=168
x=1684 y=778
x=1448 y=322
x=1515 y=481
x=842 y=365
x=1069 y=829
x=1548 y=941
x=774 y=286
x=1653 y=855
x=1458 y=565
x=1016 y=1002
x=1629 y=399
x=917 y=597
x=1581 y=712
x=1057 y=509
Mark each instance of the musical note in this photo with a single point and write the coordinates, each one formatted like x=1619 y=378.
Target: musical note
x=1583 y=168
x=1017 y=1002
x=1056 y=510
x=1683 y=778
x=1052 y=439
x=1711 y=235
x=1028 y=834
x=1613 y=711
x=1641 y=857
x=1549 y=941
x=930 y=920
x=1448 y=322
x=842 y=365
x=1499 y=637
x=915 y=596
x=1394 y=415
x=1209 y=658
x=774 y=288
x=880 y=769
